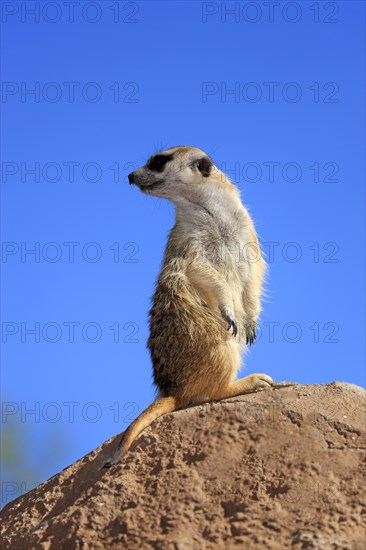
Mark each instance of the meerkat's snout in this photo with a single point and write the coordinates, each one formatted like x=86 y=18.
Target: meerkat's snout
x=131 y=177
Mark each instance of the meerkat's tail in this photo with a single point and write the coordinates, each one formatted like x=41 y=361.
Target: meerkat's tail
x=162 y=405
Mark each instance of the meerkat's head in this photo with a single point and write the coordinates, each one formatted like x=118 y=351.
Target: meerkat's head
x=178 y=172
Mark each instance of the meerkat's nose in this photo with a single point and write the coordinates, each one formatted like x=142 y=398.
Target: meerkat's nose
x=131 y=177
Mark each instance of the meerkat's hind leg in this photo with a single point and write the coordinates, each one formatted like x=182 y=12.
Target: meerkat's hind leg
x=247 y=385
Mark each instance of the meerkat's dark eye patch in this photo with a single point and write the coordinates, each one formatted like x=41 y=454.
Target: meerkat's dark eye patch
x=158 y=162
x=204 y=165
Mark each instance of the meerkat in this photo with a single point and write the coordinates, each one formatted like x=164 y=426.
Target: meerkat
x=208 y=294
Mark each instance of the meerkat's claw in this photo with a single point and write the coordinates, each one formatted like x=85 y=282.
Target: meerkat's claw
x=250 y=340
x=234 y=326
x=230 y=321
x=251 y=335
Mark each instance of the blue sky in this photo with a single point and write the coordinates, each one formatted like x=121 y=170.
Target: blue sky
x=275 y=96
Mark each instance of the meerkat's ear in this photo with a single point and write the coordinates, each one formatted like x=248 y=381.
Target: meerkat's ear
x=204 y=165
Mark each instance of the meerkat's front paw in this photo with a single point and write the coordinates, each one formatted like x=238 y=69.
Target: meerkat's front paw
x=229 y=317
x=260 y=381
x=250 y=333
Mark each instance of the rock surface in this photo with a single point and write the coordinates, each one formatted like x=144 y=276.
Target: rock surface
x=281 y=468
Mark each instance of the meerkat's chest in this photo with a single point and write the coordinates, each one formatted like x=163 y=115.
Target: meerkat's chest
x=227 y=246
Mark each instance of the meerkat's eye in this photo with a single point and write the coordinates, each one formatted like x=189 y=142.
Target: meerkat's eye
x=158 y=162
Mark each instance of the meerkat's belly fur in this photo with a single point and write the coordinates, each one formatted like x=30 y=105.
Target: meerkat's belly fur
x=208 y=294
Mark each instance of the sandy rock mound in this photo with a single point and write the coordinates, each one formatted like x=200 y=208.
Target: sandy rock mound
x=281 y=468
